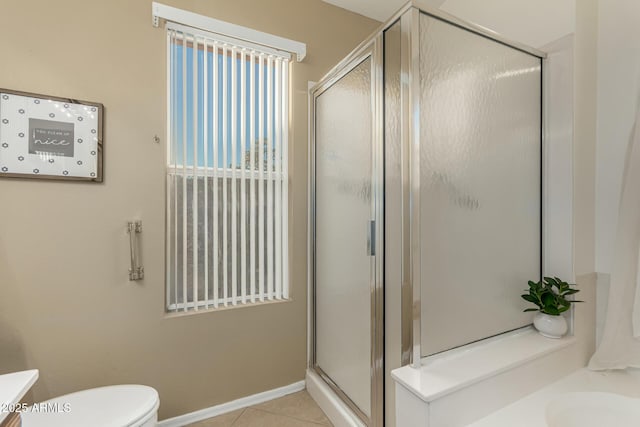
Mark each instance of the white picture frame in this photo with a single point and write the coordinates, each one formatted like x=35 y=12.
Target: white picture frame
x=50 y=137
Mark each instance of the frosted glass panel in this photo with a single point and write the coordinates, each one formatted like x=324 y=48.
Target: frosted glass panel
x=480 y=180
x=393 y=332
x=343 y=210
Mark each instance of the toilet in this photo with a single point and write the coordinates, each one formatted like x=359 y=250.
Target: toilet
x=112 y=406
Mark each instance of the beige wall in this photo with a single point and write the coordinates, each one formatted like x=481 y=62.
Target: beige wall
x=66 y=305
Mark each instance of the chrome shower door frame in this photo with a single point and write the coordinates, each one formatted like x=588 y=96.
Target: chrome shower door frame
x=407 y=212
x=372 y=49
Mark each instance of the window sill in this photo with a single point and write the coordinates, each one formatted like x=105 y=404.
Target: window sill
x=222 y=308
x=455 y=369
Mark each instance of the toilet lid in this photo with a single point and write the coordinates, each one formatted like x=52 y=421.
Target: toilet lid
x=112 y=406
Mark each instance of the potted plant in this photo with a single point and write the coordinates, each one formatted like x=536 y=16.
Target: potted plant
x=550 y=295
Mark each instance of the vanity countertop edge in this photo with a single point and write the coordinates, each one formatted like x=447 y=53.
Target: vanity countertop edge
x=13 y=387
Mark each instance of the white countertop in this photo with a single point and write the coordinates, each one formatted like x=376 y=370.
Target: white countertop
x=530 y=411
x=14 y=386
x=447 y=372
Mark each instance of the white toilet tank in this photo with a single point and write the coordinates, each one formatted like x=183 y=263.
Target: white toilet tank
x=112 y=406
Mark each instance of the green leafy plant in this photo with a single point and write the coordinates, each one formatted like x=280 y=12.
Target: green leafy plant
x=550 y=295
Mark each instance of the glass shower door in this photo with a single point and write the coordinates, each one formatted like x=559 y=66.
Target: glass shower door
x=480 y=177
x=344 y=265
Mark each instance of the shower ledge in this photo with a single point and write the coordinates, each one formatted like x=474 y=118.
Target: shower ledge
x=453 y=370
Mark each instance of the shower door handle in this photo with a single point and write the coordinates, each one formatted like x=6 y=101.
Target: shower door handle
x=371 y=237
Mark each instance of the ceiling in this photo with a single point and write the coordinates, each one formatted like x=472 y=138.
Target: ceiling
x=534 y=23
x=380 y=10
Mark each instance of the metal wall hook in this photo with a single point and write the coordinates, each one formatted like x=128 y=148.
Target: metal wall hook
x=136 y=272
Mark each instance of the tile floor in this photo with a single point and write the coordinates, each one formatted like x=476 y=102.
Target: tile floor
x=294 y=410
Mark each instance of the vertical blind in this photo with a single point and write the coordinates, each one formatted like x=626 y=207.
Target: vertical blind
x=226 y=172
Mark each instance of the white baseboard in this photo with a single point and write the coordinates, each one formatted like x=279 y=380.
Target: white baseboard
x=203 y=414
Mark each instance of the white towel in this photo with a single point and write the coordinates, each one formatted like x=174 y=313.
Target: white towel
x=619 y=347
x=633 y=182
x=636 y=304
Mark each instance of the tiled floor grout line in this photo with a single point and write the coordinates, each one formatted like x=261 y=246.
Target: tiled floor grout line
x=287 y=416
x=238 y=417
x=261 y=413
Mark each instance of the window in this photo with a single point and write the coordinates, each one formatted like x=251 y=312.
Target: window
x=226 y=172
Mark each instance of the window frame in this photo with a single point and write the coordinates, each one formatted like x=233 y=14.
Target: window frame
x=279 y=291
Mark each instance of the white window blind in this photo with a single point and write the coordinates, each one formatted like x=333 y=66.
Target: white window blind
x=226 y=171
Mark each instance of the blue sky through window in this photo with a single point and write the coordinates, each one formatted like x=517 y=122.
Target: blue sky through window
x=179 y=97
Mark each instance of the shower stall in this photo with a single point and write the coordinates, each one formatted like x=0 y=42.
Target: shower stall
x=425 y=201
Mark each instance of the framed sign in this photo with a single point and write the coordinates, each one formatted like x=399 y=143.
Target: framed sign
x=49 y=137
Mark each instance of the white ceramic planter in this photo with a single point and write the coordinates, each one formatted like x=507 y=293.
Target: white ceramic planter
x=550 y=326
